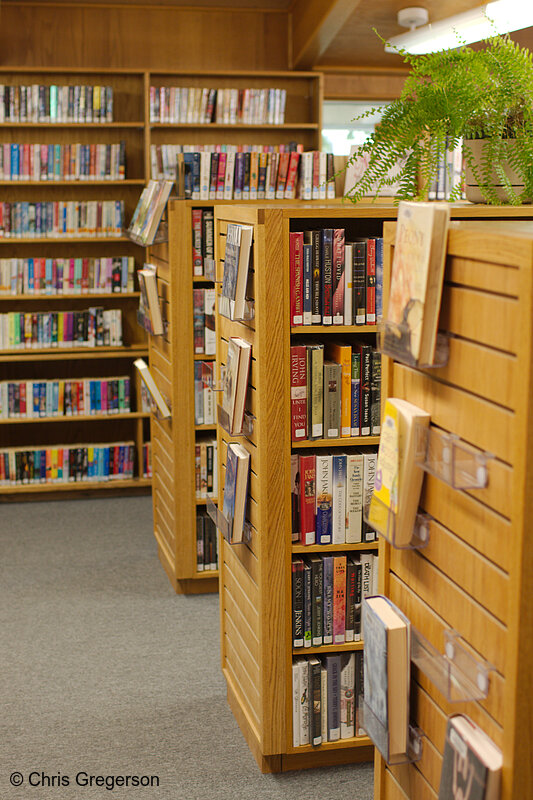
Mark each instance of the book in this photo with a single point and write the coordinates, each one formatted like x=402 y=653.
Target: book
x=471 y=764
x=332 y=399
x=235 y=382
x=398 y=479
x=296 y=242
x=416 y=280
x=324 y=498
x=298 y=374
x=295 y=496
x=315 y=390
x=148 y=277
x=307 y=499
x=347 y=692
x=315 y=697
x=317 y=592
x=386 y=674
x=236 y=490
x=150 y=384
x=146 y=220
x=297 y=602
x=236 y=262
x=333 y=666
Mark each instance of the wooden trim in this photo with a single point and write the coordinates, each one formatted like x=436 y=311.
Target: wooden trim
x=314 y=25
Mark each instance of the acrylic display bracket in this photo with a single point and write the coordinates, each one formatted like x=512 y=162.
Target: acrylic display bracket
x=379 y=734
x=459 y=675
x=445 y=456
x=225 y=310
x=223 y=524
x=384 y=521
x=394 y=340
x=208 y=380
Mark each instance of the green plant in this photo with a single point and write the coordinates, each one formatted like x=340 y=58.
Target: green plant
x=449 y=96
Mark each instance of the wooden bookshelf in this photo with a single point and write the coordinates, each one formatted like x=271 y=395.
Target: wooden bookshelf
x=475 y=573
x=172 y=359
x=255 y=577
x=70 y=363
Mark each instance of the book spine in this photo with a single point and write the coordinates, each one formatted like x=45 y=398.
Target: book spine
x=315 y=715
x=307 y=281
x=354 y=497
x=350 y=600
x=339 y=499
x=304 y=701
x=333 y=668
x=328 y=599
x=371 y=282
x=366 y=375
x=327 y=276
x=298 y=393
x=317 y=589
x=307 y=499
x=347 y=699
x=316 y=299
x=379 y=279
x=308 y=602
x=332 y=400
x=338 y=276
x=298 y=603
x=359 y=282
x=315 y=391
x=324 y=499
x=339 y=599
x=375 y=394
x=296 y=242
x=356 y=394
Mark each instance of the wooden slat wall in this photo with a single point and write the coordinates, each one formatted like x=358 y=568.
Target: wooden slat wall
x=252 y=596
x=473 y=575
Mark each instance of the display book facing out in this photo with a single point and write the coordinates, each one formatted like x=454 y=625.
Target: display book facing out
x=335 y=395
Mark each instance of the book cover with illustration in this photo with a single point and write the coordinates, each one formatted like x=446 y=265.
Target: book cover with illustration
x=471 y=765
x=416 y=280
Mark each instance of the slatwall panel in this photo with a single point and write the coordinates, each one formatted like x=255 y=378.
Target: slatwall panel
x=473 y=574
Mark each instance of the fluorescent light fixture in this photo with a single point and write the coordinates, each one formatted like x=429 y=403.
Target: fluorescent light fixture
x=500 y=16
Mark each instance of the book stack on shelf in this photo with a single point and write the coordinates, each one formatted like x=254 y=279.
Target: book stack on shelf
x=206 y=544
x=51 y=103
x=229 y=106
x=78 y=276
x=149 y=211
x=63 y=162
x=245 y=172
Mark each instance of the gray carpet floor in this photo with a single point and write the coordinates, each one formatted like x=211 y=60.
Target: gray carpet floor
x=106 y=671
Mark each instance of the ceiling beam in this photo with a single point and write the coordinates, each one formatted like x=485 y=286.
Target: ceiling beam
x=314 y=25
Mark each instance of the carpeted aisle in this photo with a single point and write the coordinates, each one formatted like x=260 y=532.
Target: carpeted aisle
x=105 y=671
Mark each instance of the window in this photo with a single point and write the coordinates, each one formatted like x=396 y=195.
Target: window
x=339 y=131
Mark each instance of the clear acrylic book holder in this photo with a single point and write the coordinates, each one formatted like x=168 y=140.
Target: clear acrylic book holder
x=448 y=458
x=458 y=674
x=225 y=309
x=385 y=523
x=224 y=525
x=379 y=734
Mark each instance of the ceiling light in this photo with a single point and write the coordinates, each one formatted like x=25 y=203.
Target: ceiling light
x=500 y=16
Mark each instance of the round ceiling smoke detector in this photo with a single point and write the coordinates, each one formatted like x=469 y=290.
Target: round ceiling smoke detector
x=413 y=17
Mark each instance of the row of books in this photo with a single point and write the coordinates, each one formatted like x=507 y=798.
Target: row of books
x=205 y=468
x=204 y=396
x=67 y=463
x=257 y=176
x=335 y=282
x=204 y=321
x=164 y=157
x=64 y=397
x=56 y=103
x=450 y=176
x=148 y=211
x=335 y=391
x=329 y=492
x=203 y=243
x=61 y=218
x=92 y=327
x=206 y=544
x=204 y=105
x=54 y=276
x=326 y=695
x=147 y=460
x=327 y=592
x=63 y=162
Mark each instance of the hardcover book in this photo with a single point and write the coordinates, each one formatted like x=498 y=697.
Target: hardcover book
x=150 y=384
x=148 y=279
x=471 y=765
x=398 y=480
x=235 y=382
x=416 y=280
x=236 y=262
x=386 y=675
x=236 y=490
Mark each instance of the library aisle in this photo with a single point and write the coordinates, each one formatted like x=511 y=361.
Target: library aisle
x=110 y=673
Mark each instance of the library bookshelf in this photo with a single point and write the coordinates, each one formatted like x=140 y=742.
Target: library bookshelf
x=132 y=124
x=255 y=577
x=475 y=574
x=77 y=362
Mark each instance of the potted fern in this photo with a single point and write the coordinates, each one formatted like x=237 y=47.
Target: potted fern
x=483 y=98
